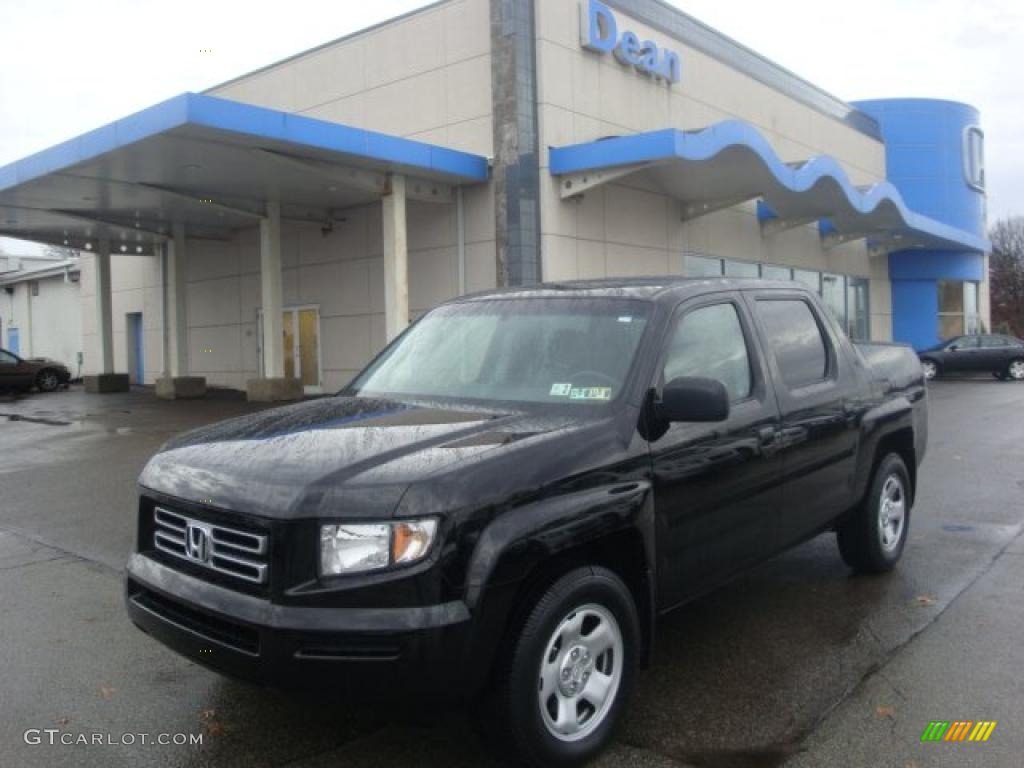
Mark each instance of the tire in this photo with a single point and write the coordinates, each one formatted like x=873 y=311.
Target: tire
x=47 y=380
x=569 y=667
x=871 y=540
x=930 y=369
x=1015 y=369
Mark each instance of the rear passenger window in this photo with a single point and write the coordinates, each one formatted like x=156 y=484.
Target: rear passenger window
x=992 y=342
x=796 y=340
x=708 y=342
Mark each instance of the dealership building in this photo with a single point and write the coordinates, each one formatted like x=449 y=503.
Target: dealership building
x=274 y=232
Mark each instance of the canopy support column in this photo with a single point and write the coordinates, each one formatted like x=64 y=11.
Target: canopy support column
x=104 y=380
x=272 y=385
x=396 y=258
x=176 y=383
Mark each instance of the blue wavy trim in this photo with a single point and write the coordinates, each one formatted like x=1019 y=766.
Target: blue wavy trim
x=706 y=144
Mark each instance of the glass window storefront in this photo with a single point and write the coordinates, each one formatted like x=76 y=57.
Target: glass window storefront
x=741 y=269
x=833 y=293
x=958 y=308
x=846 y=297
x=858 y=316
x=703 y=266
x=808 y=277
x=772 y=272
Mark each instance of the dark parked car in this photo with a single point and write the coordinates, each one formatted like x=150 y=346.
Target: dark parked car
x=1003 y=356
x=18 y=374
x=501 y=505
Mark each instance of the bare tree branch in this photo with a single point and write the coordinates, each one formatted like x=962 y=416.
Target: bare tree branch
x=1006 y=275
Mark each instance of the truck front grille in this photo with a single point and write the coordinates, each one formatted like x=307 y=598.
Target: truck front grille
x=226 y=550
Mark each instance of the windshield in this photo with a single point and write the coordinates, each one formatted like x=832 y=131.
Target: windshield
x=573 y=351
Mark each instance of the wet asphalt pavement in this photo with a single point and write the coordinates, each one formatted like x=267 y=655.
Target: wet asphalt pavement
x=796 y=662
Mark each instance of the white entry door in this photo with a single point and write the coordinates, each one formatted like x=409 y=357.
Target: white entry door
x=301 y=332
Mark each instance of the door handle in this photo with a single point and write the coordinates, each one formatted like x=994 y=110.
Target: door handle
x=767 y=435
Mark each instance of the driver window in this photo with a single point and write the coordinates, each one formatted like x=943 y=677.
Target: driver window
x=709 y=342
x=6 y=358
x=965 y=342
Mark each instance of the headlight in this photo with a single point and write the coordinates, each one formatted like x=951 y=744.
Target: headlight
x=353 y=548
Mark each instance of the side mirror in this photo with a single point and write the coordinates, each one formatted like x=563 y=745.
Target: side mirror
x=954 y=348
x=693 y=399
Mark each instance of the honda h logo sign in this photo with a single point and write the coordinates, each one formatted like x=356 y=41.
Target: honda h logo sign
x=197 y=542
x=599 y=31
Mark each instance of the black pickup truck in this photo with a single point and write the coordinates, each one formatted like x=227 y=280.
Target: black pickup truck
x=501 y=505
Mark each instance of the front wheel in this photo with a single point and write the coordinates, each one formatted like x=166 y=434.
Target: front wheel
x=569 y=669
x=930 y=369
x=1015 y=370
x=872 y=539
x=47 y=380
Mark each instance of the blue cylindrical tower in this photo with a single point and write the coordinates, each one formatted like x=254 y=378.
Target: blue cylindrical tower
x=934 y=152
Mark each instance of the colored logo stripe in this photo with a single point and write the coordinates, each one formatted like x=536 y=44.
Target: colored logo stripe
x=982 y=731
x=958 y=730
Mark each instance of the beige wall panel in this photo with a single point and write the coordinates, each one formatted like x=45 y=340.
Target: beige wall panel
x=478 y=209
x=346 y=342
x=430 y=225
x=633 y=261
x=330 y=74
x=213 y=302
x=406 y=48
x=591 y=259
x=408 y=106
x=340 y=288
x=215 y=349
x=558 y=258
x=468 y=89
x=349 y=110
x=475 y=136
x=432 y=277
x=481 y=266
x=466 y=27
x=636 y=218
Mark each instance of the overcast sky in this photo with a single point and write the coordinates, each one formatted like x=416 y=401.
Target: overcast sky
x=67 y=66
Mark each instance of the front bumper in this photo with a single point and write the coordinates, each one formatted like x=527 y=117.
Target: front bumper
x=365 y=653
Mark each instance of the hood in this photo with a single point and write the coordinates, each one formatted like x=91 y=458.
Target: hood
x=45 y=361
x=329 y=457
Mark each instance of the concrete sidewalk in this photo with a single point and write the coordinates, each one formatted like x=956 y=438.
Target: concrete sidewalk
x=968 y=665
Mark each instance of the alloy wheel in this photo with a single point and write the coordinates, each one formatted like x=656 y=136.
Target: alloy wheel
x=930 y=369
x=1016 y=370
x=891 y=512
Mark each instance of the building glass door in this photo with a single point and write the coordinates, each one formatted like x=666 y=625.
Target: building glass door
x=300 y=327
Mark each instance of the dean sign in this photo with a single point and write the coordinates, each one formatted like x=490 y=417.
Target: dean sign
x=599 y=32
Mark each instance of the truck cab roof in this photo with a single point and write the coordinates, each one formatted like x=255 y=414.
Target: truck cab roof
x=658 y=288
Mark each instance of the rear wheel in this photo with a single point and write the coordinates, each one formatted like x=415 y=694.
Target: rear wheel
x=930 y=369
x=567 y=672
x=47 y=380
x=872 y=539
x=1015 y=370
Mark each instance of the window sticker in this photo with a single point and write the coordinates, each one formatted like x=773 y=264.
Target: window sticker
x=625 y=318
x=560 y=390
x=590 y=393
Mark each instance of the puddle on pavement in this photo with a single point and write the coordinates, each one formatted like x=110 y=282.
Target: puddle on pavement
x=35 y=420
x=765 y=757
